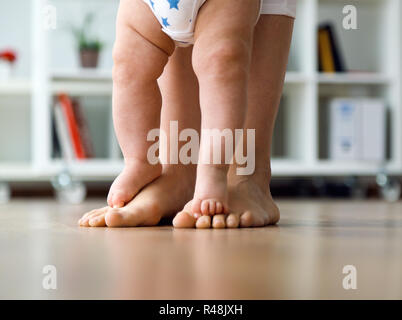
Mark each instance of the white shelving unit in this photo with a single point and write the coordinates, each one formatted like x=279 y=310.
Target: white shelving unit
x=299 y=143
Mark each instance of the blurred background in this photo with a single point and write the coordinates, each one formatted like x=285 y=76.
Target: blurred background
x=338 y=132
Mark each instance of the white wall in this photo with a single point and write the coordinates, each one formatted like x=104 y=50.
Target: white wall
x=63 y=46
x=15 y=33
x=15 y=23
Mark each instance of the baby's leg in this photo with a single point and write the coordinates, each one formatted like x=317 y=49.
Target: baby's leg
x=221 y=58
x=140 y=53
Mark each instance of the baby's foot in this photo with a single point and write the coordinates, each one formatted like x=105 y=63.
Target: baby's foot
x=135 y=175
x=211 y=193
x=185 y=219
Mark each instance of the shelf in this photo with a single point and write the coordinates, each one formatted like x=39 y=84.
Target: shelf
x=93 y=169
x=353 y=78
x=291 y=168
x=99 y=82
x=82 y=81
x=98 y=170
x=82 y=87
x=15 y=87
x=15 y=171
x=295 y=77
x=82 y=74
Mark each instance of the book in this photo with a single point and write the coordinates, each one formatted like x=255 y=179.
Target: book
x=357 y=129
x=326 y=60
x=329 y=53
x=72 y=125
x=83 y=128
x=56 y=146
x=62 y=132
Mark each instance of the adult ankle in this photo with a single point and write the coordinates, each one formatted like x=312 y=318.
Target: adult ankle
x=261 y=177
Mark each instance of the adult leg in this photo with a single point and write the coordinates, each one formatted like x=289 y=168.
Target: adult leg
x=249 y=196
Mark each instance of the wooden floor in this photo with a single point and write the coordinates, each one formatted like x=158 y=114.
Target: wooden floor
x=301 y=258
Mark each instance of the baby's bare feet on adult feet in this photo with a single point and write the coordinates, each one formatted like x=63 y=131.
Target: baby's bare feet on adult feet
x=135 y=175
x=161 y=198
x=250 y=202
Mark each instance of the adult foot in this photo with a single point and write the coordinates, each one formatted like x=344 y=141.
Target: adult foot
x=253 y=203
x=135 y=175
x=161 y=198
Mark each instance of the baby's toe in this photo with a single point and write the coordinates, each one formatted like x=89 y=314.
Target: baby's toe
x=120 y=198
x=212 y=207
x=109 y=199
x=219 y=208
x=196 y=207
x=205 y=207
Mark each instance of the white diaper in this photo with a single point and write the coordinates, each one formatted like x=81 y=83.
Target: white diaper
x=280 y=7
x=177 y=18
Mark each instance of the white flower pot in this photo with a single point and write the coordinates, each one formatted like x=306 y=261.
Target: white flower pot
x=5 y=70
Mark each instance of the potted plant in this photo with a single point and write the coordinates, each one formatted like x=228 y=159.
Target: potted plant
x=88 y=46
x=7 y=60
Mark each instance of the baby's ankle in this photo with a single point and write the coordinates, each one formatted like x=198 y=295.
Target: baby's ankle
x=141 y=164
x=220 y=169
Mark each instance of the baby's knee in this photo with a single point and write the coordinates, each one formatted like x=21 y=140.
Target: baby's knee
x=227 y=58
x=135 y=63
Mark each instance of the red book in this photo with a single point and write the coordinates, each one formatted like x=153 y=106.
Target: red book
x=72 y=125
x=83 y=128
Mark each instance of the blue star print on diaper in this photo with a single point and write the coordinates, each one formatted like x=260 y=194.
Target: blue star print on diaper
x=173 y=4
x=165 y=22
